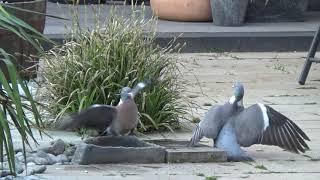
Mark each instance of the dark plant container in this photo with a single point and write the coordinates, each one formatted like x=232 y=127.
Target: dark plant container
x=22 y=50
x=228 y=12
x=119 y=2
x=277 y=10
x=314 y=5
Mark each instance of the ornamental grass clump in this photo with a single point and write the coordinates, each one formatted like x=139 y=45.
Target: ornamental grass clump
x=95 y=64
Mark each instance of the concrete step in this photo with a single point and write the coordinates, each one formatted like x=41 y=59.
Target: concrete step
x=201 y=36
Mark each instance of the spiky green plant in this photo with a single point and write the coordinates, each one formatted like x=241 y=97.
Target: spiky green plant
x=13 y=105
x=95 y=64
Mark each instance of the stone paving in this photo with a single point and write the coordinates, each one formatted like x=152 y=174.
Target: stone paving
x=269 y=78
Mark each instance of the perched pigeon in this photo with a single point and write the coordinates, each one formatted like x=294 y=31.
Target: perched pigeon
x=259 y=124
x=217 y=116
x=114 y=120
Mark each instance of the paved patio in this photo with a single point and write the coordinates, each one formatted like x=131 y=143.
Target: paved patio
x=270 y=78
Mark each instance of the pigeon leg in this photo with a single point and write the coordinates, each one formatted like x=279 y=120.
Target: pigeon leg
x=109 y=132
x=227 y=141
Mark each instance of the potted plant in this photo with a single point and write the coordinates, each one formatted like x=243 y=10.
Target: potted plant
x=228 y=12
x=13 y=105
x=276 y=10
x=13 y=44
x=314 y=5
x=182 y=10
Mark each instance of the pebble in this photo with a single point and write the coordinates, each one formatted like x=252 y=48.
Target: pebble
x=19 y=154
x=40 y=161
x=61 y=158
x=57 y=147
x=5 y=168
x=47 y=157
x=31 y=164
x=4 y=173
x=19 y=167
x=29 y=159
x=53 y=158
x=69 y=151
x=36 y=170
x=20 y=158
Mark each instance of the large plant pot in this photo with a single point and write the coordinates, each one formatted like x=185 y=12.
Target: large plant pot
x=277 y=10
x=314 y=5
x=228 y=12
x=22 y=50
x=182 y=10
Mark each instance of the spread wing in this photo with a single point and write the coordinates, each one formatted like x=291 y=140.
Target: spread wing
x=284 y=133
x=96 y=117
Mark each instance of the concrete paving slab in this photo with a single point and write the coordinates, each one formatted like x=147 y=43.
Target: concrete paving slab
x=262 y=83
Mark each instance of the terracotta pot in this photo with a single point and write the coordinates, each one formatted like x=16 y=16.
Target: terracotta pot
x=182 y=10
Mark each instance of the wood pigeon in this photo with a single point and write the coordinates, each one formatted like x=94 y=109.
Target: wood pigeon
x=217 y=116
x=110 y=120
x=259 y=124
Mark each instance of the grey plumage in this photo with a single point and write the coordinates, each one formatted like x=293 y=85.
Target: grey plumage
x=114 y=120
x=217 y=116
x=260 y=124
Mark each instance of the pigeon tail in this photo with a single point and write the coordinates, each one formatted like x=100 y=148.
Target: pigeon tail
x=67 y=123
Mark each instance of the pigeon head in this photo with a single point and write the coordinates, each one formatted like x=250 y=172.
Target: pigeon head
x=125 y=93
x=238 y=91
x=138 y=88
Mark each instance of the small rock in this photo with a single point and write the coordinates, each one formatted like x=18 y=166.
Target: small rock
x=10 y=177
x=4 y=173
x=40 y=169
x=46 y=156
x=19 y=154
x=53 y=159
x=62 y=158
x=58 y=147
x=70 y=150
x=20 y=158
x=17 y=150
x=70 y=158
x=29 y=159
x=31 y=164
x=4 y=167
x=19 y=167
x=46 y=149
x=36 y=170
x=40 y=161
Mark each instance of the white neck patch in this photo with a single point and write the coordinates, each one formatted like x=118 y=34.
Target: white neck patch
x=232 y=99
x=265 y=115
x=120 y=102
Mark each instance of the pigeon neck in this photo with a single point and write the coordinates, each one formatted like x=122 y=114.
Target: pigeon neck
x=120 y=102
x=232 y=100
x=235 y=101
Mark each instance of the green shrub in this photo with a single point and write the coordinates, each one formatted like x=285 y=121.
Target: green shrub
x=93 y=67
